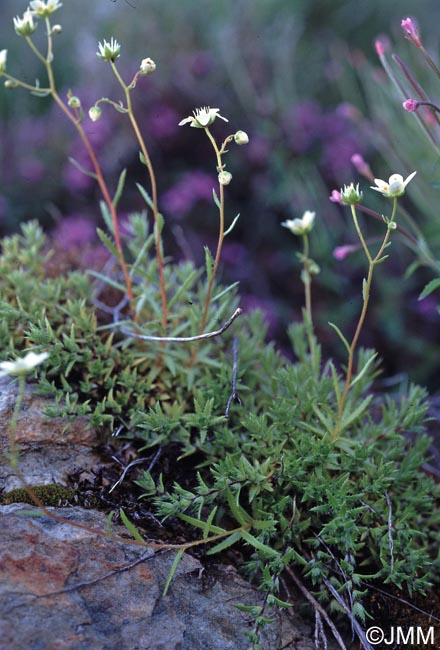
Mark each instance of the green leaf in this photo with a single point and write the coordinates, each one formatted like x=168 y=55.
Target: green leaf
x=364 y=289
x=130 y=527
x=206 y=526
x=238 y=512
x=109 y=523
x=140 y=255
x=142 y=158
x=341 y=336
x=216 y=199
x=107 y=242
x=328 y=425
x=82 y=169
x=356 y=413
x=147 y=198
x=382 y=259
x=224 y=291
x=209 y=263
x=364 y=370
x=209 y=521
x=335 y=380
x=107 y=216
x=173 y=570
x=253 y=541
x=411 y=268
x=430 y=287
x=107 y=280
x=229 y=541
x=120 y=187
x=231 y=227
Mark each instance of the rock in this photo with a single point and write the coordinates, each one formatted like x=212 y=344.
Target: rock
x=65 y=588
x=49 y=449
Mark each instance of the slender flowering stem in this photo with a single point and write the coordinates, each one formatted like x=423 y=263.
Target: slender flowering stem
x=429 y=60
x=97 y=169
x=307 y=279
x=156 y=217
x=221 y=234
x=372 y=261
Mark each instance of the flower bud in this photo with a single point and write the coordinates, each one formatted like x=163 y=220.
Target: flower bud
x=74 y=102
x=147 y=67
x=95 y=113
x=224 y=178
x=57 y=29
x=410 y=105
x=411 y=31
x=241 y=137
x=350 y=195
x=9 y=83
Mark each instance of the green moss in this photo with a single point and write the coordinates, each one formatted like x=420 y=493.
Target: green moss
x=50 y=495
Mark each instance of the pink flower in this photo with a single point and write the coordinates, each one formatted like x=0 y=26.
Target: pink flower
x=411 y=31
x=410 y=105
x=335 y=197
x=341 y=252
x=382 y=45
x=361 y=166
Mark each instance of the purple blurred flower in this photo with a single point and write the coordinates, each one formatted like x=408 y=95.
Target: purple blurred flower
x=192 y=187
x=74 y=231
x=163 y=121
x=303 y=124
x=258 y=150
x=428 y=308
x=32 y=169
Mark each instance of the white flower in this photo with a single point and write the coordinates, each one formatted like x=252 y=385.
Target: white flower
x=109 y=51
x=301 y=226
x=22 y=366
x=241 y=137
x=203 y=117
x=395 y=186
x=25 y=26
x=3 y=57
x=147 y=67
x=44 y=8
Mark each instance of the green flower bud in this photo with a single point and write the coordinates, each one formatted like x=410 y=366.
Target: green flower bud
x=74 y=102
x=350 y=195
x=95 y=113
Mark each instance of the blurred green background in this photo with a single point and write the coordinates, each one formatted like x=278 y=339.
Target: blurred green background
x=303 y=79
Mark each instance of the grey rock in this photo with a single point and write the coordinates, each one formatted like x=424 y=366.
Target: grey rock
x=50 y=448
x=66 y=588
